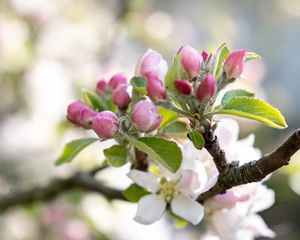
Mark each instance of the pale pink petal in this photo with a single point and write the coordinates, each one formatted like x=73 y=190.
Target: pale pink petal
x=226 y=224
x=144 y=179
x=188 y=209
x=193 y=180
x=258 y=227
x=227 y=132
x=150 y=209
x=263 y=199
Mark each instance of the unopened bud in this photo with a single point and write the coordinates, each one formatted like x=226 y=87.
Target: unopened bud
x=145 y=117
x=101 y=86
x=191 y=60
x=204 y=55
x=120 y=96
x=152 y=63
x=80 y=114
x=105 y=124
x=116 y=80
x=183 y=86
x=206 y=88
x=155 y=88
x=234 y=63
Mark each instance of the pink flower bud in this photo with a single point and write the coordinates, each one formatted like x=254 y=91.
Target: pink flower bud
x=101 y=86
x=183 y=86
x=145 y=117
x=204 y=55
x=116 y=80
x=155 y=89
x=191 y=60
x=80 y=114
x=207 y=88
x=152 y=63
x=120 y=96
x=105 y=124
x=234 y=63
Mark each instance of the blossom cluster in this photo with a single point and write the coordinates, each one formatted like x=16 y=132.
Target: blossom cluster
x=232 y=215
x=189 y=88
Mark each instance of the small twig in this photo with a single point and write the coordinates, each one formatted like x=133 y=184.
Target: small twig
x=141 y=161
x=56 y=187
x=96 y=170
x=170 y=106
x=213 y=147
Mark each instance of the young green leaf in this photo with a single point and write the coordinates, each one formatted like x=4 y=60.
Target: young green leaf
x=73 y=148
x=197 y=139
x=134 y=193
x=139 y=84
x=252 y=56
x=168 y=116
x=175 y=72
x=116 y=155
x=175 y=129
x=217 y=62
x=255 y=109
x=94 y=101
x=163 y=151
x=235 y=93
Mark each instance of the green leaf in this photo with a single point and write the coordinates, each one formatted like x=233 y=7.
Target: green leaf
x=197 y=139
x=116 y=155
x=168 y=116
x=139 y=85
x=235 y=93
x=217 y=62
x=163 y=151
x=179 y=222
x=175 y=72
x=94 y=101
x=134 y=193
x=252 y=56
x=73 y=148
x=255 y=109
x=176 y=129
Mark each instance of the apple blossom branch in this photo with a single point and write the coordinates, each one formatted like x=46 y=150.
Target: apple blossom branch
x=56 y=187
x=230 y=176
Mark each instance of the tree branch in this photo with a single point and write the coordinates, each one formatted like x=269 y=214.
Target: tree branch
x=254 y=171
x=213 y=147
x=56 y=187
x=230 y=176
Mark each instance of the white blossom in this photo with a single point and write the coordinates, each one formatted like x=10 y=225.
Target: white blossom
x=180 y=190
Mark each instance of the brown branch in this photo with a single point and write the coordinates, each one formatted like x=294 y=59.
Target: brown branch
x=255 y=171
x=141 y=161
x=56 y=187
x=213 y=147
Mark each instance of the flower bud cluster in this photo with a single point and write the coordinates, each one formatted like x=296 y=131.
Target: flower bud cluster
x=192 y=62
x=105 y=124
x=195 y=78
x=154 y=68
x=117 y=86
x=200 y=81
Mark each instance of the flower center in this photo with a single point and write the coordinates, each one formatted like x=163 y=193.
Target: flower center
x=168 y=190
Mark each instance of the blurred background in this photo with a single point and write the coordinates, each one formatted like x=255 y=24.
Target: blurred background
x=49 y=50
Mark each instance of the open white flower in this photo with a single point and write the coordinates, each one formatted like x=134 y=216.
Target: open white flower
x=179 y=190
